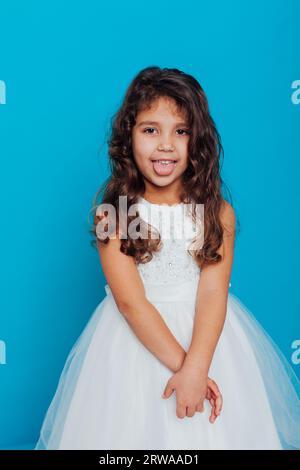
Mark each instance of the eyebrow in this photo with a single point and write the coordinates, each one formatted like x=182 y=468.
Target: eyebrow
x=155 y=123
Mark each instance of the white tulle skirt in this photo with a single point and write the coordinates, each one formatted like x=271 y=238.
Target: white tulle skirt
x=109 y=392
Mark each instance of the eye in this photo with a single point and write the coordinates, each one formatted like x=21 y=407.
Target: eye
x=187 y=132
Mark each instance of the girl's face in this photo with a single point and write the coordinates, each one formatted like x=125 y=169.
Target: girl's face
x=161 y=133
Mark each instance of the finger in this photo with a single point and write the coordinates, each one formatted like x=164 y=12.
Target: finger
x=212 y=417
x=181 y=410
x=200 y=407
x=217 y=396
x=208 y=394
x=190 y=411
x=214 y=388
x=168 y=391
x=219 y=404
x=213 y=411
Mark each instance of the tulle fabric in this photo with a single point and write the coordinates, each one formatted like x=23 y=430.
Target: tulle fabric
x=109 y=392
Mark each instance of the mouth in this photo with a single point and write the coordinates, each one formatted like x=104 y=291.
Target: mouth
x=164 y=166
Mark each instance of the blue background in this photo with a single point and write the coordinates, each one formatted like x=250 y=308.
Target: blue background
x=66 y=66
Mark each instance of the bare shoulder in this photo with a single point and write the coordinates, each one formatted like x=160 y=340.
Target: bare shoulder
x=121 y=273
x=216 y=277
x=227 y=217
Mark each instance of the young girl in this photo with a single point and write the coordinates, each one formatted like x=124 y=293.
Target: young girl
x=170 y=359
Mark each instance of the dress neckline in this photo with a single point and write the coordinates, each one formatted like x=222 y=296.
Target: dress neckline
x=160 y=205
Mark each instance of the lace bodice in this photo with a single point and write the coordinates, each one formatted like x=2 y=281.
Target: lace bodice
x=172 y=263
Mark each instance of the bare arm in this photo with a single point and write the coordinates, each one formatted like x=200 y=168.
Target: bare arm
x=128 y=291
x=211 y=304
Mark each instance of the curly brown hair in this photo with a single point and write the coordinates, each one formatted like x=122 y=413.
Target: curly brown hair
x=201 y=182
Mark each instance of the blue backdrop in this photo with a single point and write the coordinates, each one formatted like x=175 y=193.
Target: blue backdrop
x=64 y=67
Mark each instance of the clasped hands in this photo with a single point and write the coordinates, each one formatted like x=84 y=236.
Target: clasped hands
x=192 y=388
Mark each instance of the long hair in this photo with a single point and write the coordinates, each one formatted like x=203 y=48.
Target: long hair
x=201 y=181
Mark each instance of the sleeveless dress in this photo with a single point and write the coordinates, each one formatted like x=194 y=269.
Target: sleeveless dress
x=108 y=396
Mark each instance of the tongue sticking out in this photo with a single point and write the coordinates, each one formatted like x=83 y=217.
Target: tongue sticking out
x=163 y=169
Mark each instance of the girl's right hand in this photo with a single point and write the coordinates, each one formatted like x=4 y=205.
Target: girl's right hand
x=191 y=387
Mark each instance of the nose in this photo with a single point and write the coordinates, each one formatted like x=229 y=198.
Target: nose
x=165 y=147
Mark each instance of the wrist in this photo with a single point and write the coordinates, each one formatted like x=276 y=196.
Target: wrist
x=195 y=363
x=179 y=360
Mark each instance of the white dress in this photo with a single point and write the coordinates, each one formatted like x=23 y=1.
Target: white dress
x=109 y=393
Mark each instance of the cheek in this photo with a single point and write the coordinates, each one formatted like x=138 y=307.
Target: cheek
x=143 y=148
x=183 y=151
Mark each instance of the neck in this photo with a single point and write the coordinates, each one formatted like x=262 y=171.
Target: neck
x=156 y=196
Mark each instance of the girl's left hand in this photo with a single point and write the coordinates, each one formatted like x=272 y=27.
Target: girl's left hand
x=213 y=395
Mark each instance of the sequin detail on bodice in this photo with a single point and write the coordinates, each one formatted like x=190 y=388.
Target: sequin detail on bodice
x=172 y=263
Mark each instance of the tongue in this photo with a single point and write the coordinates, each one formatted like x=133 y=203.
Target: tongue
x=163 y=169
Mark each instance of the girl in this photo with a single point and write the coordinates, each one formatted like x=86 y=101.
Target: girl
x=169 y=343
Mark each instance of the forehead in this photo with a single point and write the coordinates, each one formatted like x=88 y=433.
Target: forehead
x=162 y=108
